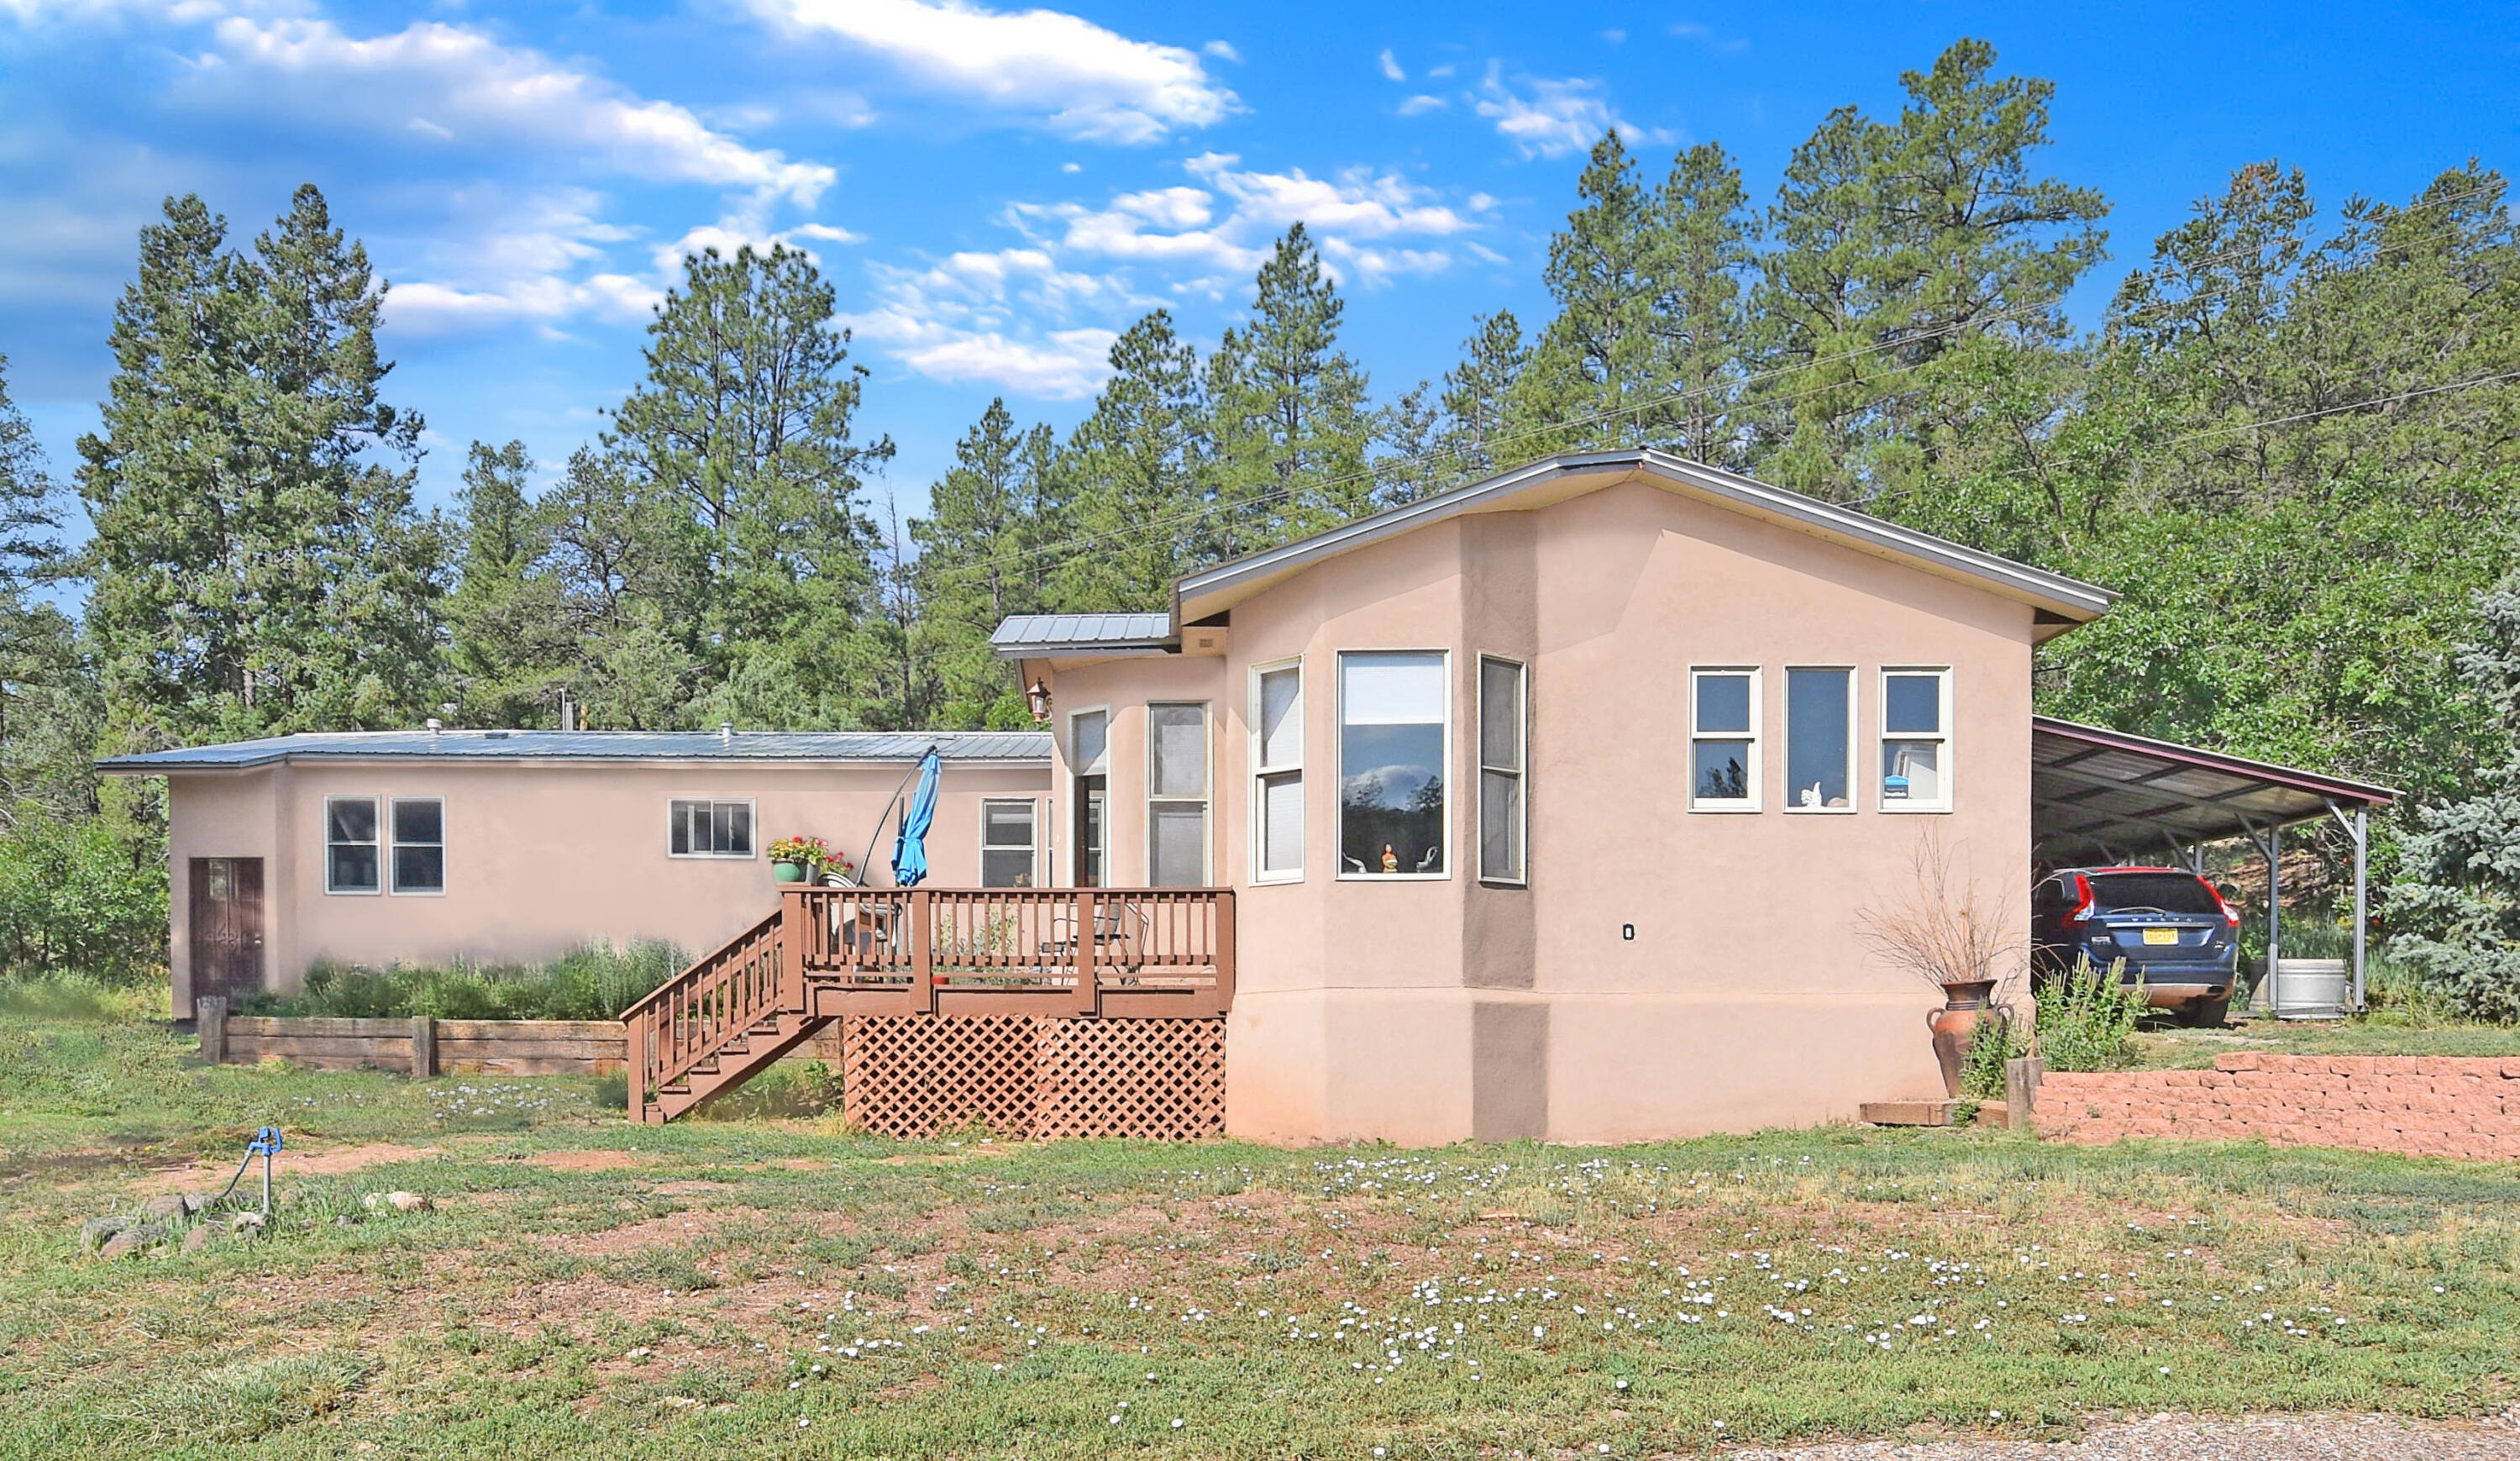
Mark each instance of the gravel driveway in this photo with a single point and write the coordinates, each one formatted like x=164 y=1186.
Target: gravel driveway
x=2174 y=1437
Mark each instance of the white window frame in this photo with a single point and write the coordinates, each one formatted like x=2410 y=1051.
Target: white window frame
x=1205 y=802
x=1072 y=804
x=752 y=819
x=1338 y=728
x=1520 y=772
x=1853 y=783
x=1755 y=738
x=1947 y=760
x=384 y=874
x=1263 y=772
x=394 y=843
x=1033 y=847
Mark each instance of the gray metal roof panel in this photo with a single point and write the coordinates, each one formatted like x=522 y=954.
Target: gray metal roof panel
x=591 y=745
x=1036 y=633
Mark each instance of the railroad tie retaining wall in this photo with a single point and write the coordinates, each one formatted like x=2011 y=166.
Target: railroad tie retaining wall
x=2431 y=1106
x=431 y=1047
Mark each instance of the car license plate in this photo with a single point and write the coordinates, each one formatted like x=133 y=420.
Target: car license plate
x=2161 y=936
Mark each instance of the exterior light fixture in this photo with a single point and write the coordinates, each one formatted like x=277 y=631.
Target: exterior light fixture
x=1037 y=695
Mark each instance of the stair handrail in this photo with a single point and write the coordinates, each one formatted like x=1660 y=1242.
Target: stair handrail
x=654 y=1013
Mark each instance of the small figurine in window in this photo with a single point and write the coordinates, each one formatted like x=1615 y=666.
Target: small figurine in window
x=1390 y=859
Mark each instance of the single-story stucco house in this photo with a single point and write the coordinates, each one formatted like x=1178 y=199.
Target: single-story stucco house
x=1544 y=806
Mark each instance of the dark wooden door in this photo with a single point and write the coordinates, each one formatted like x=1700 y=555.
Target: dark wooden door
x=227 y=925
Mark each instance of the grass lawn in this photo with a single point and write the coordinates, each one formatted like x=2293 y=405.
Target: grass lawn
x=780 y=1288
x=2166 y=1046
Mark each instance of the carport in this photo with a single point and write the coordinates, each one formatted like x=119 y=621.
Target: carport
x=2106 y=797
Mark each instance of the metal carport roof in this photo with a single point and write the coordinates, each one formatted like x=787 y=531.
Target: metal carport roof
x=2101 y=796
x=2098 y=794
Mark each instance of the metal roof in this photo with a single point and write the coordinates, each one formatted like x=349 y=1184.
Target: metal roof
x=1042 y=635
x=1554 y=478
x=589 y=745
x=2098 y=794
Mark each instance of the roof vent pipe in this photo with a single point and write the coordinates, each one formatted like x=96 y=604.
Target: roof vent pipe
x=726 y=733
x=433 y=727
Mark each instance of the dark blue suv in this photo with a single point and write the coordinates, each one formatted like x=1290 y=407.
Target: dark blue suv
x=2172 y=928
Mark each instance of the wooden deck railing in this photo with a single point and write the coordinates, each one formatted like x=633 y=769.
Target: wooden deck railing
x=691 y=1016
x=1007 y=950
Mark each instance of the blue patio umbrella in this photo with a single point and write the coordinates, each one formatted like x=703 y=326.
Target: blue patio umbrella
x=910 y=847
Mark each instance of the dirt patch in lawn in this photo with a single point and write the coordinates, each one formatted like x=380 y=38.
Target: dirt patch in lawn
x=590 y=1159
x=292 y=1163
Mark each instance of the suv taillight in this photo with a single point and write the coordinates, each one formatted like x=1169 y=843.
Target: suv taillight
x=2082 y=901
x=2231 y=915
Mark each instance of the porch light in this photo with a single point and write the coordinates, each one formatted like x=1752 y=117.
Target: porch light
x=1037 y=695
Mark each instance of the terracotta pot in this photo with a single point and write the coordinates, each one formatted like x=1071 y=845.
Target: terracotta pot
x=1965 y=1007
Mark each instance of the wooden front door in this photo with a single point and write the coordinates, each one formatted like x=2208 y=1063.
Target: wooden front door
x=227 y=925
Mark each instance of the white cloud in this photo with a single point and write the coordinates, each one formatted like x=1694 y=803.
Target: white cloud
x=458 y=85
x=1551 y=118
x=1228 y=222
x=1391 y=66
x=1222 y=51
x=1709 y=38
x=503 y=260
x=1421 y=104
x=1088 y=82
x=1006 y=318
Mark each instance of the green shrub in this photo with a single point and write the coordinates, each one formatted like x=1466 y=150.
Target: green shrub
x=2087 y=1020
x=1982 y=1072
x=81 y=897
x=591 y=981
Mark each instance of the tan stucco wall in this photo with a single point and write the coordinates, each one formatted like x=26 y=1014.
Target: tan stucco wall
x=542 y=856
x=1433 y=1011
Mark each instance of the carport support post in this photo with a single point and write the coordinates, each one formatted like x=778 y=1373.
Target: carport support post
x=2361 y=895
x=2273 y=846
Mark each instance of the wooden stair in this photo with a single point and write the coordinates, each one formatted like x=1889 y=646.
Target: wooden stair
x=719 y=1022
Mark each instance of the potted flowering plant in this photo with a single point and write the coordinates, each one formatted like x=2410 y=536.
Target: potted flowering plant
x=793 y=859
x=839 y=870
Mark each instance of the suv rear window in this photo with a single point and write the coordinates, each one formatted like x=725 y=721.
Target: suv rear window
x=2171 y=893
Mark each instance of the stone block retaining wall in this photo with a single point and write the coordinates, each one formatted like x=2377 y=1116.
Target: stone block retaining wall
x=2430 y=1105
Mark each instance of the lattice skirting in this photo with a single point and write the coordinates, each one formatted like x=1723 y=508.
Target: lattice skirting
x=913 y=1077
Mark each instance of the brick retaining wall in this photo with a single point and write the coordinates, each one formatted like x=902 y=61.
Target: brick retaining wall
x=2430 y=1105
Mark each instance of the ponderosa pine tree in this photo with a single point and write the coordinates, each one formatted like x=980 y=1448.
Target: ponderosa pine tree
x=1139 y=459
x=1704 y=241
x=1477 y=433
x=509 y=639
x=1902 y=250
x=257 y=566
x=977 y=548
x=45 y=707
x=748 y=418
x=1287 y=411
x=1597 y=377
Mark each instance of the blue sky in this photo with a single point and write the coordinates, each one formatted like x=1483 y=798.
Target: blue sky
x=996 y=191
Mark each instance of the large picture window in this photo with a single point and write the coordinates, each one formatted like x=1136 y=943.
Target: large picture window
x=709 y=829
x=1008 y=858
x=1820 y=740
x=353 y=856
x=1277 y=773
x=1723 y=740
x=1916 y=740
x=1175 y=796
x=1501 y=731
x=419 y=844
x=1392 y=752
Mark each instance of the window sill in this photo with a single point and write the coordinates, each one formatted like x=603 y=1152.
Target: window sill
x=1518 y=882
x=711 y=858
x=1723 y=809
x=355 y=892
x=1395 y=877
x=1821 y=811
x=1279 y=880
x=1887 y=809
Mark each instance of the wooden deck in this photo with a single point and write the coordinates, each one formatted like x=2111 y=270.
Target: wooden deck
x=829 y=952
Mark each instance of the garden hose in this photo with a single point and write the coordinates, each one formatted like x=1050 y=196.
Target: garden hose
x=265 y=1145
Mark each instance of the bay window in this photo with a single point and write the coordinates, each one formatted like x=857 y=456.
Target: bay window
x=1394 y=727
x=1277 y=773
x=1177 y=796
x=1502 y=734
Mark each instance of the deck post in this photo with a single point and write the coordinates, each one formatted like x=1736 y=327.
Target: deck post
x=1089 y=991
x=1224 y=904
x=923 y=953
x=211 y=1017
